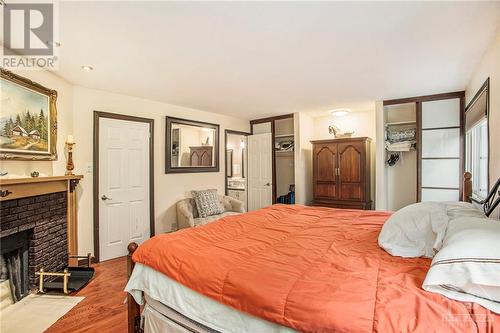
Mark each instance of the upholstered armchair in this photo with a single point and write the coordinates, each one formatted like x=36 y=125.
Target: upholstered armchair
x=187 y=214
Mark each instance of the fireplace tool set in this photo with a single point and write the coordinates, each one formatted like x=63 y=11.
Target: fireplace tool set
x=69 y=280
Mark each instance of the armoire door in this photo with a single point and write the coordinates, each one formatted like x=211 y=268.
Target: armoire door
x=351 y=177
x=325 y=171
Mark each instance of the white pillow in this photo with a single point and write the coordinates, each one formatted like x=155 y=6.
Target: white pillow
x=462 y=209
x=414 y=230
x=467 y=268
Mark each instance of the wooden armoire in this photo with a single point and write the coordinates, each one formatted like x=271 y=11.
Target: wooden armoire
x=341 y=173
x=200 y=156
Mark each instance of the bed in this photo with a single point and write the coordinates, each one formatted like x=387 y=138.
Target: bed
x=285 y=269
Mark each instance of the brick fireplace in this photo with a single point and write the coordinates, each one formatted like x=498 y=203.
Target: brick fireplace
x=44 y=219
x=37 y=229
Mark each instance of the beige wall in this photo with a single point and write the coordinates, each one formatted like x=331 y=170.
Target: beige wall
x=490 y=67
x=304 y=133
x=361 y=122
x=169 y=188
x=75 y=116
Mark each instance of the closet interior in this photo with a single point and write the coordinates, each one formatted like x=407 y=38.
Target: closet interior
x=284 y=142
x=401 y=154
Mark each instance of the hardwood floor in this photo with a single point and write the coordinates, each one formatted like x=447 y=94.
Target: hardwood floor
x=103 y=309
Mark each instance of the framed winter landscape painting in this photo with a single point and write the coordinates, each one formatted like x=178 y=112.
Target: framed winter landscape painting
x=28 y=119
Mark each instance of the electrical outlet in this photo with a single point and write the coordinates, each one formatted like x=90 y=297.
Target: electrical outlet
x=90 y=167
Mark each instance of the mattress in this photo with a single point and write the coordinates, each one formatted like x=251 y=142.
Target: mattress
x=162 y=293
x=159 y=318
x=312 y=269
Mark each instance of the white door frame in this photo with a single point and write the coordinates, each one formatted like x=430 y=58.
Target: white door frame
x=97 y=116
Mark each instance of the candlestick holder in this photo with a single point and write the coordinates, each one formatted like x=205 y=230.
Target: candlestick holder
x=69 y=163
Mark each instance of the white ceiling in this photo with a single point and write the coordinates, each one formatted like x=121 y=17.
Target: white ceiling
x=256 y=59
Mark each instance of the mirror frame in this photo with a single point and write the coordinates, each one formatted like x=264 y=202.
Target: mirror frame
x=168 y=146
x=229 y=162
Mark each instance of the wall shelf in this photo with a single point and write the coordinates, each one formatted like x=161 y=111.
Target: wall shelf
x=401 y=123
x=284 y=136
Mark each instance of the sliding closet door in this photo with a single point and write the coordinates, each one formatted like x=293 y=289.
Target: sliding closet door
x=441 y=155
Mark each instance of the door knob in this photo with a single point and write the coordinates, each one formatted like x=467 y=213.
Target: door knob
x=104 y=197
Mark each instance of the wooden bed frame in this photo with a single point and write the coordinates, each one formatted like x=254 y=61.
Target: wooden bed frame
x=134 y=310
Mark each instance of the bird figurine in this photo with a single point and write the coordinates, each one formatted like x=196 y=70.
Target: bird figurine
x=337 y=133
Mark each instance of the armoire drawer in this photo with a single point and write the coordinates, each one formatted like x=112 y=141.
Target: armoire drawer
x=344 y=204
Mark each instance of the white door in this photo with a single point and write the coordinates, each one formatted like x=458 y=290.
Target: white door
x=260 y=170
x=123 y=185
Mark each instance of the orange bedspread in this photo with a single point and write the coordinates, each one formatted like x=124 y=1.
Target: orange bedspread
x=312 y=269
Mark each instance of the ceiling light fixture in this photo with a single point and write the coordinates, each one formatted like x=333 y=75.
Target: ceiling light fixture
x=340 y=112
x=87 y=68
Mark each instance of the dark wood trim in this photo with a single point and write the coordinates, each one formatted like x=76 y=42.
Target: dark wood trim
x=271 y=119
x=97 y=116
x=244 y=158
x=418 y=106
x=485 y=87
x=227 y=174
x=273 y=155
x=425 y=98
x=168 y=146
x=83 y=262
x=462 y=145
x=467 y=186
x=226 y=132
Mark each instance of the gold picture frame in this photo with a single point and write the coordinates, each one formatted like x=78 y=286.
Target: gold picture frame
x=40 y=144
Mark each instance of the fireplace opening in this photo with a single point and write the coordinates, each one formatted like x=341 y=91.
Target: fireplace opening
x=14 y=260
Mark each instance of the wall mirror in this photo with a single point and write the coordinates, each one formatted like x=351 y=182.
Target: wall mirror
x=191 y=146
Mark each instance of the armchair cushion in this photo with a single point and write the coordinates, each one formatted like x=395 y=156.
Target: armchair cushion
x=208 y=203
x=205 y=220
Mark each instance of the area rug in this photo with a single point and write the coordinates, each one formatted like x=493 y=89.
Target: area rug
x=36 y=312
